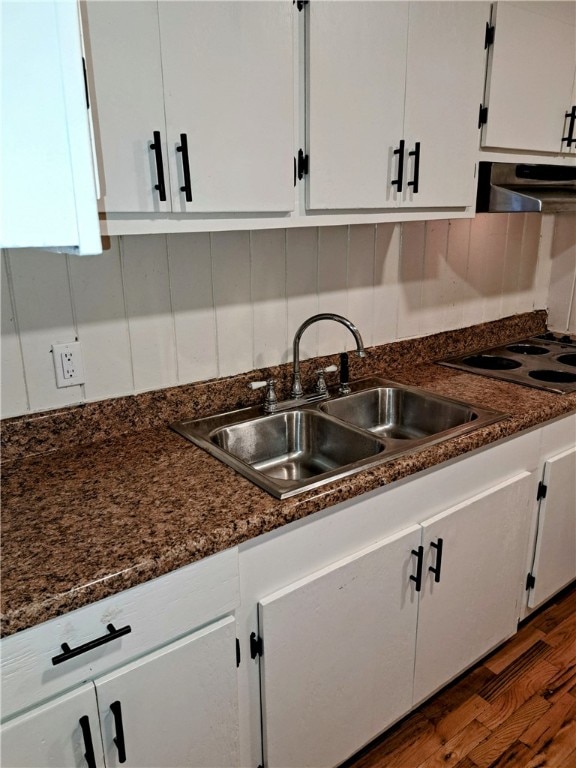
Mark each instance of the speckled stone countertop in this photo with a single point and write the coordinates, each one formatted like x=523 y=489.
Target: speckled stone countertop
x=102 y=497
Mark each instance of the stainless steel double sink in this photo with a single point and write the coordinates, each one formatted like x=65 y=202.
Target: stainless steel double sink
x=307 y=446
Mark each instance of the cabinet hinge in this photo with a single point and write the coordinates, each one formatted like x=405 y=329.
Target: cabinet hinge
x=530 y=581
x=255 y=645
x=489 y=36
x=237 y=652
x=300 y=4
x=302 y=165
x=482 y=116
x=542 y=491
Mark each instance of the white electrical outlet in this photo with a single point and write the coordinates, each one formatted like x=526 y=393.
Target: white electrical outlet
x=68 y=364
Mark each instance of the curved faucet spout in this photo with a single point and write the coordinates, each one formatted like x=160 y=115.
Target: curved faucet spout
x=296 y=383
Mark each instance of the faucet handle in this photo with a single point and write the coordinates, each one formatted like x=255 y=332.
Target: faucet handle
x=270 y=401
x=344 y=374
x=321 y=388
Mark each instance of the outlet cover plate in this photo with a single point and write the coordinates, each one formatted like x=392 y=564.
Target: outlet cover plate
x=68 y=364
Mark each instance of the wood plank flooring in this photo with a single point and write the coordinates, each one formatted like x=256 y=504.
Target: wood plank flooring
x=515 y=709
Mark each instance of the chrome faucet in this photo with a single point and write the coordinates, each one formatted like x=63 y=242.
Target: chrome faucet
x=296 y=383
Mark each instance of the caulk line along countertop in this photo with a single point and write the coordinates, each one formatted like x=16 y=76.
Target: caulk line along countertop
x=102 y=497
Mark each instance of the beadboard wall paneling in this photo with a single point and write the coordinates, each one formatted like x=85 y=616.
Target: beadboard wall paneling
x=40 y=288
x=333 y=256
x=302 y=296
x=11 y=366
x=562 y=296
x=268 y=296
x=385 y=284
x=234 y=318
x=160 y=310
x=192 y=294
x=97 y=290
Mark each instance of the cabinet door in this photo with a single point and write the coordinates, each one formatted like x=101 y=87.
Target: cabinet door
x=125 y=74
x=356 y=73
x=228 y=87
x=569 y=132
x=474 y=606
x=55 y=735
x=338 y=655
x=444 y=87
x=530 y=75
x=555 y=557
x=47 y=184
x=177 y=706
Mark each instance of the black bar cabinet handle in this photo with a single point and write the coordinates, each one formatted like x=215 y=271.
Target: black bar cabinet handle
x=419 y=553
x=157 y=147
x=570 y=138
x=119 y=738
x=438 y=567
x=399 y=182
x=70 y=653
x=183 y=148
x=88 y=745
x=415 y=153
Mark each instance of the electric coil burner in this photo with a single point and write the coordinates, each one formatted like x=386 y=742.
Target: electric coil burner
x=545 y=362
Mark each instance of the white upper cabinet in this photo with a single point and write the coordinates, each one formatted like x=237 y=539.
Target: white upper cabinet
x=210 y=86
x=355 y=79
x=531 y=76
x=394 y=91
x=47 y=184
x=444 y=81
x=125 y=71
x=228 y=86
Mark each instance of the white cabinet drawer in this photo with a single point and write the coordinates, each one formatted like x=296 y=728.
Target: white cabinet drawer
x=157 y=612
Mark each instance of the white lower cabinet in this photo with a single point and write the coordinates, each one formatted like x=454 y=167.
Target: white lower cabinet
x=336 y=645
x=345 y=620
x=474 y=561
x=177 y=706
x=61 y=734
x=351 y=648
x=554 y=564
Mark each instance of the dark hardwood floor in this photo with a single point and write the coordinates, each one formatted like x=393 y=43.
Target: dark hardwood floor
x=515 y=709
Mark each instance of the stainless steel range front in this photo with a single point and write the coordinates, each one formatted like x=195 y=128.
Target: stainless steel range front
x=545 y=362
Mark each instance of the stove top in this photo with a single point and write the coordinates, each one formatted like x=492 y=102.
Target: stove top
x=546 y=362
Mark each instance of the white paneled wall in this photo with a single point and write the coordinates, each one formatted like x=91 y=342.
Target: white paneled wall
x=155 y=310
x=562 y=295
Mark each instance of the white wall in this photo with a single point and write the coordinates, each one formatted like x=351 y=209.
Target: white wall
x=562 y=294
x=154 y=311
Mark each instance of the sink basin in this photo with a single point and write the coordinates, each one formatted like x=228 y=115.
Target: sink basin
x=295 y=445
x=399 y=413
x=308 y=445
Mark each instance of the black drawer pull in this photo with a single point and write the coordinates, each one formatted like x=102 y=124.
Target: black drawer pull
x=400 y=152
x=119 y=738
x=438 y=567
x=570 y=138
x=157 y=147
x=88 y=745
x=416 y=155
x=183 y=148
x=419 y=553
x=69 y=653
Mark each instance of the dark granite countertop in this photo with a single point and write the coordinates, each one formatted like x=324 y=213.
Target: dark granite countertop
x=86 y=520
